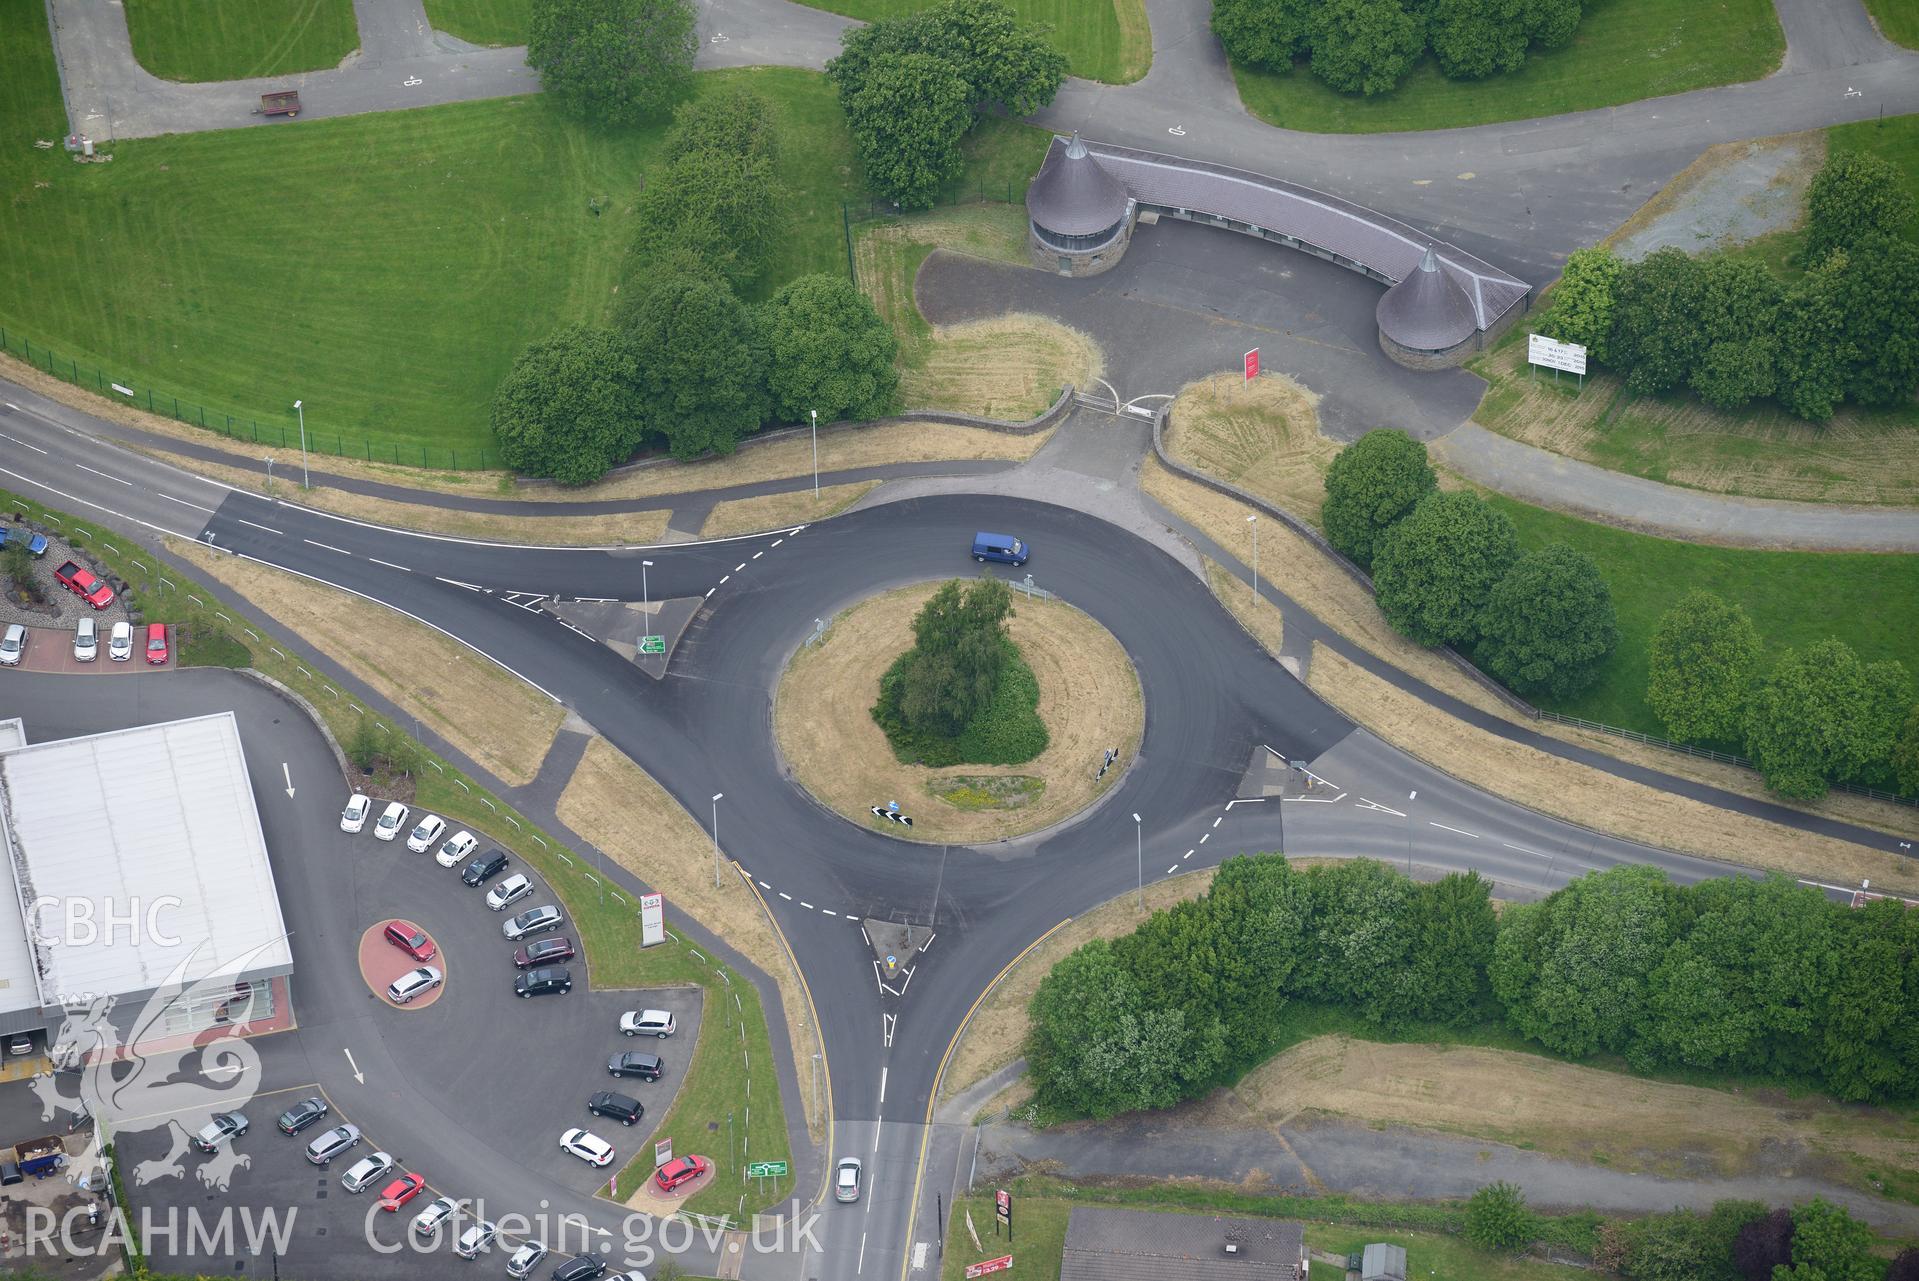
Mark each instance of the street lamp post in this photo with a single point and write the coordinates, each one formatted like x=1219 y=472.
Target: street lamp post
x=306 y=481
x=1253 y=520
x=1139 y=860
x=816 y=454
x=646 y=601
x=717 y=798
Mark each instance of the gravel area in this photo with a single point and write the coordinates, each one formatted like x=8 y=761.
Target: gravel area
x=63 y=609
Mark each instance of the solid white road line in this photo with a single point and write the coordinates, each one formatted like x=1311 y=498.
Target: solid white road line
x=1523 y=850
x=183 y=502
x=326 y=547
x=23 y=444
x=269 y=529
x=75 y=498
x=454 y=582
x=84 y=467
x=882 y=1097
x=1461 y=831
x=389 y=564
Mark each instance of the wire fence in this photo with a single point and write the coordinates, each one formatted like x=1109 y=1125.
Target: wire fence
x=279 y=433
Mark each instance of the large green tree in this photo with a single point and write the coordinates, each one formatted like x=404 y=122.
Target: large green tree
x=907 y=119
x=953 y=670
x=1473 y=39
x=1822 y=716
x=1363 y=938
x=702 y=366
x=1265 y=33
x=1549 y=623
x=1456 y=929
x=1855 y=194
x=1259 y=909
x=1097 y=1046
x=1583 y=301
x=1811 y=357
x=1739 y=307
x=1656 y=336
x=1497 y=1218
x=1365 y=46
x=1700 y=666
x=720 y=210
x=1009 y=65
x=828 y=351
x=1828 y=1244
x=1372 y=483
x=731 y=119
x=1869 y=1042
x=1434 y=569
x=1905 y=754
x=614 y=62
x=1879 y=298
x=570 y=407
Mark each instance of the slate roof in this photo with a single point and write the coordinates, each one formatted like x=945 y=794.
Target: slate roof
x=1104 y=1244
x=1427 y=310
x=1361 y=235
x=1073 y=195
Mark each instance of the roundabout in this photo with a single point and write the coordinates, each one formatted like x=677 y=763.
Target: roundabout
x=393 y=949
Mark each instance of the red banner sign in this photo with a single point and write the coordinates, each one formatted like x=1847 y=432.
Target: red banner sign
x=1002 y=1264
x=1252 y=364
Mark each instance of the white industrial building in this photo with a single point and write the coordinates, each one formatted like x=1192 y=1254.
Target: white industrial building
x=140 y=873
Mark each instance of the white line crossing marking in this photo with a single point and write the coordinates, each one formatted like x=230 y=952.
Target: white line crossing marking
x=326 y=547
x=389 y=564
x=1442 y=827
x=84 y=467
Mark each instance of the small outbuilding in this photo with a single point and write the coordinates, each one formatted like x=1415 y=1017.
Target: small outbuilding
x=1079 y=215
x=1382 y=1262
x=1104 y=1244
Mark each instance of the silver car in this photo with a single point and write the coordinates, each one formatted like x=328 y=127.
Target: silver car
x=368 y=1170
x=532 y=921
x=476 y=1240
x=13 y=645
x=86 y=641
x=341 y=1138
x=523 y=1260
x=412 y=984
x=508 y=892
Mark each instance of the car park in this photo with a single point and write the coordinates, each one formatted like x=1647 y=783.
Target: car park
x=658 y=1023
x=581 y=1267
x=846 y=1179
x=680 y=1170
x=426 y=833
x=84 y=583
x=302 y=1114
x=587 y=1146
x=411 y=939
x=353 y=817
x=535 y=920
x=392 y=819
x=36 y=544
x=616 y=1107
x=13 y=645
x=438 y=1211
x=400 y=1191
x=156 y=644
x=120 y=642
x=457 y=848
x=341 y=1138
x=362 y=1174
x=413 y=983
x=476 y=1240
x=648 y=1067
x=484 y=868
x=217 y=1132
x=553 y=980
x=526 y=1258
x=508 y=892
x=543 y=952
x=86 y=641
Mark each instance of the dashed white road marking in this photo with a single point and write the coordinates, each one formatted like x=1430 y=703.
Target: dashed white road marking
x=1523 y=850
x=1207 y=837
x=389 y=564
x=1216 y=821
x=116 y=479
x=1461 y=831
x=762 y=884
x=1172 y=869
x=808 y=906
x=269 y=529
x=184 y=503
x=23 y=444
x=777 y=542
x=722 y=582
x=454 y=582
x=760 y=553
x=326 y=547
x=783 y=894
x=737 y=568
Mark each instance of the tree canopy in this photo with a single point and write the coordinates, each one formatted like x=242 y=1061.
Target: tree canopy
x=702 y=366
x=1855 y=194
x=1365 y=46
x=1372 y=483
x=829 y=351
x=1435 y=568
x=1548 y=624
x=1701 y=663
x=570 y=408
x=1582 y=310
x=1822 y=716
x=614 y=62
x=907 y=118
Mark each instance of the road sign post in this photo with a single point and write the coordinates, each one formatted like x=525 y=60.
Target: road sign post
x=1252 y=365
x=1003 y=1211
x=652 y=644
x=766 y=1169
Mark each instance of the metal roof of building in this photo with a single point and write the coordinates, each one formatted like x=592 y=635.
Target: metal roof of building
x=1072 y=194
x=1104 y=1244
x=13 y=733
x=1360 y=235
x=156 y=818
x=1427 y=310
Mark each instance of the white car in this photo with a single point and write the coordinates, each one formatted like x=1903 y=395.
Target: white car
x=508 y=892
x=456 y=850
x=412 y=984
x=476 y=1239
x=523 y=1260
x=353 y=817
x=658 y=1023
x=391 y=821
x=86 y=641
x=426 y=833
x=120 y=642
x=438 y=1211
x=587 y=1146
x=13 y=645
x=368 y=1169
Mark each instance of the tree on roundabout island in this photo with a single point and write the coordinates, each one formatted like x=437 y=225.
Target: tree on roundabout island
x=962 y=694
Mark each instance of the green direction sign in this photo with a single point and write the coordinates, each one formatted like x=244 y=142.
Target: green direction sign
x=652 y=644
x=765 y=1169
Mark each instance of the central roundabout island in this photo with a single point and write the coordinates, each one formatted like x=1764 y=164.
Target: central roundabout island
x=1047 y=715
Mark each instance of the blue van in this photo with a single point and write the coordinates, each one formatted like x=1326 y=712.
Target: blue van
x=1004 y=548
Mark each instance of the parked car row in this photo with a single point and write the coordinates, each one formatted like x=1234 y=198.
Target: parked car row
x=86 y=643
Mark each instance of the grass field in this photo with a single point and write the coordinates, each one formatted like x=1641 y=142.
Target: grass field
x=1870 y=602
x=1898 y=20
x=493 y=22
x=1625 y=50
x=384 y=268
x=237 y=39
x=1102 y=39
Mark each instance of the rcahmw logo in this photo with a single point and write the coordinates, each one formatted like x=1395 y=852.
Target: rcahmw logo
x=173 y=1233
x=86 y=922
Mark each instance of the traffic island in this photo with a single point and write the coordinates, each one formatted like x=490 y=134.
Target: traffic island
x=381 y=963
x=1088 y=699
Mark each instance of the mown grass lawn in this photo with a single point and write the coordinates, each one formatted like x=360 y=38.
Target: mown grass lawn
x=1869 y=601
x=1625 y=50
x=238 y=39
x=1105 y=40
x=1898 y=20
x=492 y=22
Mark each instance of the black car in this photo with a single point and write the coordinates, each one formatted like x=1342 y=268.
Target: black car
x=581 y=1267
x=302 y=1114
x=542 y=952
x=484 y=868
x=648 y=1067
x=617 y=1106
x=554 y=978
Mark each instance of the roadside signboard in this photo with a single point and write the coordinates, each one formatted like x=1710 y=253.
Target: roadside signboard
x=1002 y=1264
x=652 y=920
x=1553 y=354
x=1252 y=364
x=1003 y=1211
x=765 y=1169
x=652 y=644
x=662 y=1152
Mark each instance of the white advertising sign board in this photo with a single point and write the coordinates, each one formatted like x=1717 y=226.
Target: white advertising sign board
x=1553 y=354
x=652 y=920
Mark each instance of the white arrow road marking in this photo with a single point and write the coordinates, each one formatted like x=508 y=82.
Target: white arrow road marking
x=286 y=772
x=358 y=1075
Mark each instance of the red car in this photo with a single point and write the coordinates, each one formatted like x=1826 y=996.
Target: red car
x=156 y=643
x=681 y=1169
x=543 y=952
x=409 y=938
x=84 y=584
x=400 y=1191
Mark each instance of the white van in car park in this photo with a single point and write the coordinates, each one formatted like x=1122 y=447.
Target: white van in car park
x=13 y=645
